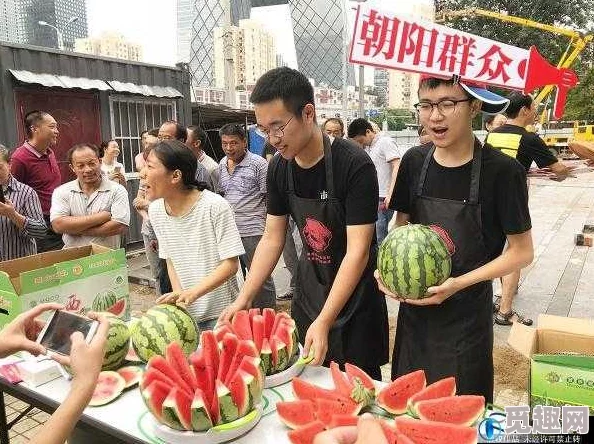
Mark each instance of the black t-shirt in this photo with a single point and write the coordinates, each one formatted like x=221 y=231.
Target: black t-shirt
x=531 y=147
x=355 y=183
x=503 y=194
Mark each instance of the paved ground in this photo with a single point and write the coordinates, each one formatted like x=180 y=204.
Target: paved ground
x=559 y=281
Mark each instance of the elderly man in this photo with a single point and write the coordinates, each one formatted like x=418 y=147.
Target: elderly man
x=21 y=218
x=34 y=164
x=91 y=208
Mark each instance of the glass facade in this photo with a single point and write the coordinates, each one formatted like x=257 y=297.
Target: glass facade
x=8 y=21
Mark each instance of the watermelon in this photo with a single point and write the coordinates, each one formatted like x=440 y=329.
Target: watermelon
x=394 y=397
x=390 y=432
x=266 y=358
x=238 y=387
x=258 y=330
x=251 y=365
x=306 y=390
x=428 y=432
x=295 y=414
x=160 y=326
x=269 y=316
x=151 y=375
x=204 y=376
x=119 y=308
x=104 y=301
x=241 y=325
x=462 y=410
x=117 y=345
x=178 y=362
x=159 y=363
x=253 y=312
x=201 y=420
x=342 y=420
x=177 y=410
x=210 y=350
x=439 y=389
x=307 y=433
x=230 y=343
x=227 y=407
x=109 y=386
x=284 y=332
x=131 y=374
x=413 y=258
x=403 y=439
x=154 y=395
x=363 y=386
x=280 y=354
x=326 y=408
x=221 y=330
x=341 y=382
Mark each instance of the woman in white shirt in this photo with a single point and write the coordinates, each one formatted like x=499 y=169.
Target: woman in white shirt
x=113 y=169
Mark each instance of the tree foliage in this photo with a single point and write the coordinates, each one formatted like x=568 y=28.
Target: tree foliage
x=580 y=101
x=397 y=118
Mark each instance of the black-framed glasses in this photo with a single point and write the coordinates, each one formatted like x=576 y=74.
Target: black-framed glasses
x=445 y=107
x=278 y=132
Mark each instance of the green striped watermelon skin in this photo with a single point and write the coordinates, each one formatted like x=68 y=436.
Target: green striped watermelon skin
x=118 y=343
x=413 y=258
x=104 y=301
x=161 y=325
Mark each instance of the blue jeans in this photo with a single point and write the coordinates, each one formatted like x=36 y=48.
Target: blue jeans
x=383 y=219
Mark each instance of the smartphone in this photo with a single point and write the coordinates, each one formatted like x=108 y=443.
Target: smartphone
x=56 y=333
x=2 y=198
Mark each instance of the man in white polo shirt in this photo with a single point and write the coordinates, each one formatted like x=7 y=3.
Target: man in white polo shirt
x=91 y=208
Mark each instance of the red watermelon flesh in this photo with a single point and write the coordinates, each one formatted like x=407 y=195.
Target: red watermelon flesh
x=210 y=350
x=307 y=433
x=353 y=372
x=177 y=360
x=462 y=410
x=154 y=395
x=248 y=348
x=109 y=386
x=152 y=374
x=251 y=365
x=269 y=316
x=258 y=330
x=204 y=376
x=403 y=439
x=390 y=433
x=253 y=312
x=326 y=408
x=215 y=412
x=306 y=390
x=280 y=316
x=235 y=363
x=439 y=389
x=221 y=330
x=241 y=325
x=341 y=383
x=429 y=432
x=178 y=406
x=284 y=333
x=159 y=363
x=343 y=420
x=118 y=308
x=394 y=397
x=239 y=392
x=230 y=343
x=131 y=374
x=295 y=414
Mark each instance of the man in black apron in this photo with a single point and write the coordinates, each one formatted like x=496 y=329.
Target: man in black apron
x=326 y=187
x=473 y=193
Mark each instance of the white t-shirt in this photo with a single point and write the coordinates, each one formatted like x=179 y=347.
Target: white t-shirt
x=382 y=151
x=196 y=243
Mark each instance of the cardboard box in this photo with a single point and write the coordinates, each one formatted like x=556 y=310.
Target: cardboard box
x=561 y=352
x=74 y=277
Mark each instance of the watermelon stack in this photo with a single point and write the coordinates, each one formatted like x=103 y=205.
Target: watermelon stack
x=210 y=387
x=413 y=258
x=273 y=334
x=117 y=345
x=160 y=326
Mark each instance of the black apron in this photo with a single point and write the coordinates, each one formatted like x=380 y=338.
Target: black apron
x=456 y=337
x=360 y=333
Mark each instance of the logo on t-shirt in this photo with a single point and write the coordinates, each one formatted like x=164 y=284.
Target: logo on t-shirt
x=318 y=237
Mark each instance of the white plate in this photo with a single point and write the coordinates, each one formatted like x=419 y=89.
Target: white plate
x=218 y=434
x=286 y=375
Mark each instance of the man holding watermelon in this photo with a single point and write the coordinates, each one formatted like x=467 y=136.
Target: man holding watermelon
x=325 y=188
x=479 y=197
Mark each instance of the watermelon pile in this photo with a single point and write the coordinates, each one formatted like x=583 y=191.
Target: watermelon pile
x=160 y=326
x=444 y=417
x=273 y=334
x=413 y=258
x=212 y=386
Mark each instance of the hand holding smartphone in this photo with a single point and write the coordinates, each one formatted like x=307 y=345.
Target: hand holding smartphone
x=56 y=333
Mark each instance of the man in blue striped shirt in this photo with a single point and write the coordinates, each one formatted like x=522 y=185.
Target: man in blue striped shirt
x=21 y=218
x=242 y=177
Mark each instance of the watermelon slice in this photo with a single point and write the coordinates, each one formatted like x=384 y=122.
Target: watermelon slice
x=295 y=414
x=306 y=390
x=280 y=355
x=363 y=386
x=341 y=382
x=119 y=308
x=131 y=356
x=428 y=432
x=248 y=348
x=279 y=317
x=258 y=330
x=266 y=358
x=177 y=410
x=241 y=325
x=394 y=397
x=403 y=439
x=210 y=350
x=215 y=412
x=343 y=420
x=251 y=365
x=159 y=363
x=109 y=386
x=240 y=395
x=253 y=312
x=221 y=330
x=439 y=389
x=462 y=410
x=307 y=433
x=227 y=408
x=204 y=376
x=326 y=408
x=269 y=316
x=152 y=374
x=390 y=432
x=201 y=419
x=177 y=360
x=229 y=348
x=154 y=395
x=131 y=374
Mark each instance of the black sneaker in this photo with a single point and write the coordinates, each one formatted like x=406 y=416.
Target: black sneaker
x=286 y=296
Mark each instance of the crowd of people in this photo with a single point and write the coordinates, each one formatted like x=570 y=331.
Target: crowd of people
x=203 y=220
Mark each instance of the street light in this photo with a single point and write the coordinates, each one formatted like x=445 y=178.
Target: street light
x=58 y=32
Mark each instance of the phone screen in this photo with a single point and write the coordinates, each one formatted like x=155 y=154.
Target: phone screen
x=61 y=327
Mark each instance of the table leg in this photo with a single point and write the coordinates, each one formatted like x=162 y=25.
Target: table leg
x=3 y=426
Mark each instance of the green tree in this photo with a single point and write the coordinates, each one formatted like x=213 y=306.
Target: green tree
x=580 y=101
x=397 y=119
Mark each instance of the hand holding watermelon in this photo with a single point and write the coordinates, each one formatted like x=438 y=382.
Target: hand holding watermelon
x=228 y=313
x=183 y=297
x=438 y=294
x=316 y=338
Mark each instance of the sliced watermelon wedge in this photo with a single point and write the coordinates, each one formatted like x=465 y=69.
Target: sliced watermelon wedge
x=464 y=410
x=306 y=390
x=241 y=325
x=269 y=317
x=394 y=397
x=326 y=408
x=159 y=363
x=177 y=360
x=177 y=410
x=307 y=433
x=439 y=389
x=154 y=395
x=239 y=393
x=258 y=330
x=210 y=350
x=251 y=365
x=131 y=374
x=119 y=308
x=230 y=343
x=221 y=330
x=152 y=374
x=295 y=414
x=341 y=382
x=253 y=312
x=109 y=386
x=201 y=420
x=204 y=377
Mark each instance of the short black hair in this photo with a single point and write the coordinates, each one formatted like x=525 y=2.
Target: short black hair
x=517 y=101
x=335 y=120
x=103 y=147
x=199 y=133
x=286 y=84
x=359 y=127
x=154 y=132
x=233 y=129
x=32 y=119
x=180 y=131
x=82 y=146
x=174 y=155
x=433 y=83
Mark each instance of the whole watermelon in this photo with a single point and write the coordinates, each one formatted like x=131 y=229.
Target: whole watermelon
x=161 y=325
x=413 y=258
x=118 y=343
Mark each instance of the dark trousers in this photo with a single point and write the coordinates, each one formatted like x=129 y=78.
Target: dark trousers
x=163 y=279
x=51 y=241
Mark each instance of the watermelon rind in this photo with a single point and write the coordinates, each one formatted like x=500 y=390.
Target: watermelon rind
x=201 y=419
x=109 y=386
x=132 y=375
x=153 y=395
x=266 y=358
x=227 y=408
x=172 y=415
x=117 y=344
x=463 y=410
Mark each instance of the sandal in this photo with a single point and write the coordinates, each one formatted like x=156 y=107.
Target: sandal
x=506 y=318
x=496 y=302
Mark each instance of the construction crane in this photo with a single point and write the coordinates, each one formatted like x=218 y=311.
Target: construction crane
x=577 y=43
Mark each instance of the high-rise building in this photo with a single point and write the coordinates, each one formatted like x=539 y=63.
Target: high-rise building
x=110 y=44
x=8 y=21
x=68 y=16
x=196 y=21
x=380 y=83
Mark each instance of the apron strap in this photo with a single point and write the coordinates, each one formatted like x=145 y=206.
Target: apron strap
x=328 y=165
x=424 y=171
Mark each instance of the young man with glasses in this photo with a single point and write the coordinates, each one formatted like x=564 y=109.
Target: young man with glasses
x=478 y=196
x=325 y=188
